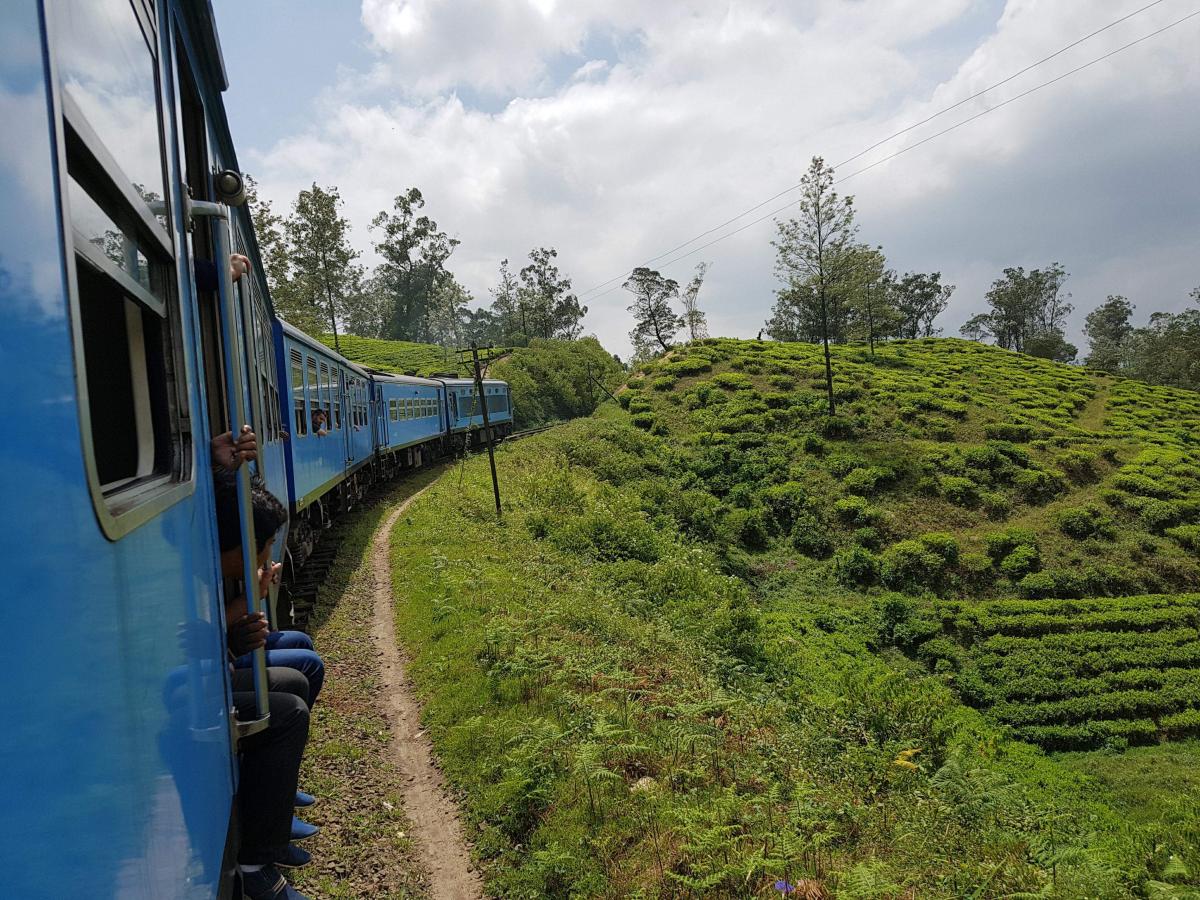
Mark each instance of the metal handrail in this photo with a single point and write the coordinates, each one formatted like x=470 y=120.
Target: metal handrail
x=231 y=343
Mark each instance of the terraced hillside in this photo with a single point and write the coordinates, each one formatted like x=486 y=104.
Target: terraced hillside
x=952 y=467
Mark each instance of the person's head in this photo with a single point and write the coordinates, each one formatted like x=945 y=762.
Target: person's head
x=269 y=516
x=319 y=417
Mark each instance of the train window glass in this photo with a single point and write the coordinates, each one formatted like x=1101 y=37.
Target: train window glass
x=299 y=414
x=337 y=398
x=106 y=70
x=126 y=321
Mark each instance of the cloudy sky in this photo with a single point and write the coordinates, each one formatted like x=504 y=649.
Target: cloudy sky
x=615 y=130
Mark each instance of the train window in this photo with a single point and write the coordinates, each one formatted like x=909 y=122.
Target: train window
x=337 y=397
x=131 y=373
x=326 y=403
x=299 y=413
x=312 y=386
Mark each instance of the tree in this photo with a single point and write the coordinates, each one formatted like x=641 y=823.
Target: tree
x=288 y=295
x=866 y=296
x=813 y=246
x=977 y=328
x=796 y=315
x=445 y=313
x=919 y=299
x=1051 y=345
x=547 y=306
x=655 y=322
x=414 y=253
x=320 y=255
x=1167 y=350
x=507 y=309
x=1108 y=331
x=369 y=308
x=693 y=317
x=1027 y=304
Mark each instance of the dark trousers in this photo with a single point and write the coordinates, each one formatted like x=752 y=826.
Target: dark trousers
x=293 y=650
x=270 y=765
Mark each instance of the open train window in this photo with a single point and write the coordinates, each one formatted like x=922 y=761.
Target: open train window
x=314 y=396
x=130 y=369
x=299 y=413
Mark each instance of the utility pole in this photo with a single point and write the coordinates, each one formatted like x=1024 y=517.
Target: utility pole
x=487 y=425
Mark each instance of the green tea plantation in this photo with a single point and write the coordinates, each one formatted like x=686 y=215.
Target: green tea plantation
x=945 y=643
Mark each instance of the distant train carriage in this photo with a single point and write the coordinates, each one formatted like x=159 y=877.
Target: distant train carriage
x=410 y=417
x=465 y=414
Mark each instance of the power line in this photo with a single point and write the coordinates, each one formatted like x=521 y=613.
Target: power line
x=883 y=141
x=901 y=152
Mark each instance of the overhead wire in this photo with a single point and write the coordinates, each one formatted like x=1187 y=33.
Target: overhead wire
x=902 y=132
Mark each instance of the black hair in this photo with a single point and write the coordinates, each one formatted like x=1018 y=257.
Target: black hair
x=269 y=514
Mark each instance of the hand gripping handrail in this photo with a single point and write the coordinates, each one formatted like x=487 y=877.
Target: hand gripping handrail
x=231 y=344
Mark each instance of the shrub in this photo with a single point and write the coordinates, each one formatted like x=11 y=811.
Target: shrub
x=1143 y=485
x=749 y=527
x=868 y=537
x=865 y=481
x=1021 y=561
x=856 y=566
x=920 y=564
x=603 y=535
x=644 y=420
x=1009 y=431
x=854 y=510
x=958 y=490
x=1036 y=485
x=786 y=502
x=837 y=427
x=733 y=381
x=995 y=504
x=842 y=464
x=663 y=382
x=1186 y=535
x=1158 y=515
x=782 y=382
x=688 y=366
x=810 y=537
x=813 y=444
x=1037 y=585
x=1079 y=464
x=1084 y=522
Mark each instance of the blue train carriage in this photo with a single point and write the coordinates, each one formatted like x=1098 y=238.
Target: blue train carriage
x=410 y=420
x=117 y=756
x=330 y=435
x=465 y=414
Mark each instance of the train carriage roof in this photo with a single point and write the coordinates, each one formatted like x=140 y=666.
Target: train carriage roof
x=393 y=378
x=470 y=382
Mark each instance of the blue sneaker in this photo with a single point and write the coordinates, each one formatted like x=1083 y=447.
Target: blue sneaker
x=302 y=831
x=303 y=799
x=268 y=884
x=293 y=858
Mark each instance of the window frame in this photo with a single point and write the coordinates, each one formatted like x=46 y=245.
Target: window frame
x=82 y=157
x=296 y=367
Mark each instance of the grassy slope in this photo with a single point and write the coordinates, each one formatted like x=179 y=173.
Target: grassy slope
x=626 y=717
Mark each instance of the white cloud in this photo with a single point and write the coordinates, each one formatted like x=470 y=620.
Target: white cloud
x=698 y=110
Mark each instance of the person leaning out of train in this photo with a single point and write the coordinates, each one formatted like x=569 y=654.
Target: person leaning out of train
x=269 y=760
x=320 y=423
x=285 y=649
